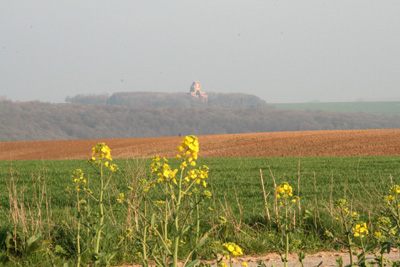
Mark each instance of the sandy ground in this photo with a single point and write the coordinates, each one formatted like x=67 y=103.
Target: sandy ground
x=322 y=259
x=327 y=259
x=278 y=144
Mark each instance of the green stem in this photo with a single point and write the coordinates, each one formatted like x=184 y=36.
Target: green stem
x=97 y=246
x=166 y=221
x=362 y=248
x=197 y=220
x=350 y=249
x=349 y=242
x=145 y=237
x=78 y=238
x=178 y=206
x=398 y=213
x=166 y=214
x=144 y=245
x=287 y=235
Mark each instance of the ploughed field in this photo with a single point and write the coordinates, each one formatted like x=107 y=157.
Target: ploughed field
x=275 y=144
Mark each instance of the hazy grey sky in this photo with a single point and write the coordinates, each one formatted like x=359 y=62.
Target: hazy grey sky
x=281 y=51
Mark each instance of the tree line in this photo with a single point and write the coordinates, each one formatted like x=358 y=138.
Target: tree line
x=157 y=99
x=46 y=121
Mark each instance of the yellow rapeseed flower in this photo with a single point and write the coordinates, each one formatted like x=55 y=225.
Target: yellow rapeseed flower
x=360 y=230
x=394 y=190
x=221 y=220
x=113 y=167
x=102 y=151
x=77 y=176
x=183 y=165
x=285 y=192
x=207 y=194
x=231 y=249
x=377 y=234
x=189 y=147
x=120 y=198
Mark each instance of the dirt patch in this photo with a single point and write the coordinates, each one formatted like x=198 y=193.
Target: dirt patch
x=324 y=258
x=277 y=144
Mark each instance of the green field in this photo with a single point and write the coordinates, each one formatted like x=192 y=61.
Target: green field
x=388 y=108
x=236 y=186
x=230 y=173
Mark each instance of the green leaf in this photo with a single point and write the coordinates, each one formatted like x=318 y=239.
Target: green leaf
x=202 y=240
x=33 y=239
x=389 y=244
x=8 y=240
x=34 y=244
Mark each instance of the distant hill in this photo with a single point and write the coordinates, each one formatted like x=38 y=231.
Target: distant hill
x=157 y=99
x=388 y=108
x=46 y=121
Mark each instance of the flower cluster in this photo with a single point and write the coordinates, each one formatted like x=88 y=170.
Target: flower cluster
x=207 y=194
x=342 y=206
x=384 y=225
x=145 y=186
x=156 y=163
x=394 y=191
x=120 y=198
x=199 y=175
x=103 y=154
x=165 y=173
x=384 y=222
x=102 y=151
x=77 y=175
x=355 y=216
x=188 y=150
x=360 y=230
x=231 y=249
x=285 y=191
x=377 y=234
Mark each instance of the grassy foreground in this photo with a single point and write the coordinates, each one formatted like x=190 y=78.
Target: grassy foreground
x=237 y=197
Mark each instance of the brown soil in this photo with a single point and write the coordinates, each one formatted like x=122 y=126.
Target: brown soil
x=277 y=144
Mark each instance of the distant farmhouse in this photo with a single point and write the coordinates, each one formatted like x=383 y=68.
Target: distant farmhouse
x=197 y=92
